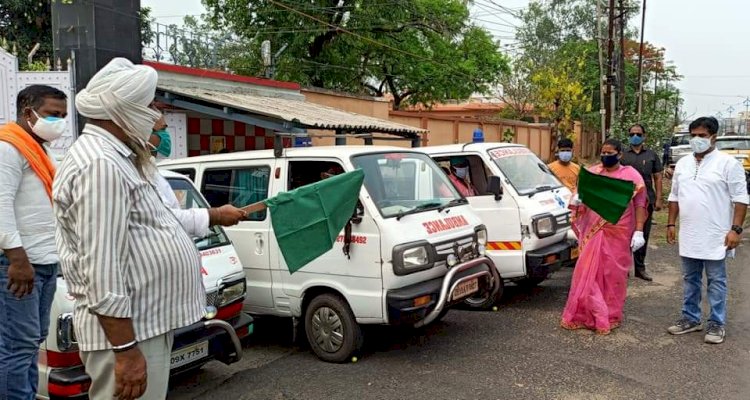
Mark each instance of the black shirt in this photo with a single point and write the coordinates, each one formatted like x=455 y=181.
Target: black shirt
x=647 y=163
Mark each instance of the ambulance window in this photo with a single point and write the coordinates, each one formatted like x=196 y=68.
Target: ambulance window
x=189 y=172
x=303 y=173
x=237 y=186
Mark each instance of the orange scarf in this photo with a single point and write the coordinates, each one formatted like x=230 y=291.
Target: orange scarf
x=32 y=151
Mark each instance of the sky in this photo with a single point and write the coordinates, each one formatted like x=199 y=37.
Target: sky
x=706 y=40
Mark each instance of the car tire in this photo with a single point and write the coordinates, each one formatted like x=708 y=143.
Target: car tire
x=331 y=329
x=485 y=300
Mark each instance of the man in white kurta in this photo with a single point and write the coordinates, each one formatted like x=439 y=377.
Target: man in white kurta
x=709 y=193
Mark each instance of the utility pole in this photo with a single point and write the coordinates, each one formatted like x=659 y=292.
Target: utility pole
x=640 y=62
x=602 y=76
x=747 y=117
x=610 y=65
x=621 y=65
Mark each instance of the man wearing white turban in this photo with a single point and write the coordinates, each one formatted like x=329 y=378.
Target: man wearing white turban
x=133 y=270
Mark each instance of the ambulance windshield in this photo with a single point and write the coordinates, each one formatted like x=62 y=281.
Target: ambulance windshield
x=406 y=182
x=188 y=197
x=524 y=170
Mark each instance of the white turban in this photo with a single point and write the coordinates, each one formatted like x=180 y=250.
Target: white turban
x=121 y=92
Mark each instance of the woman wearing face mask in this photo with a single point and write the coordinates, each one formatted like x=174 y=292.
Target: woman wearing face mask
x=460 y=176
x=597 y=293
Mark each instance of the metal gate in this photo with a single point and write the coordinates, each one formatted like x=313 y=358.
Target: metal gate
x=12 y=81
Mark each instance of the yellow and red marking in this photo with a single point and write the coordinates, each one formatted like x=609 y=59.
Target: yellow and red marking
x=503 y=245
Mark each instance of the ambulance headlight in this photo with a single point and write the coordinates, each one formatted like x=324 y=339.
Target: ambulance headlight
x=544 y=225
x=231 y=292
x=481 y=232
x=413 y=257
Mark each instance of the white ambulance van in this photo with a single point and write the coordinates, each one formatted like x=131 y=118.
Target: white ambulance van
x=216 y=337
x=528 y=223
x=415 y=245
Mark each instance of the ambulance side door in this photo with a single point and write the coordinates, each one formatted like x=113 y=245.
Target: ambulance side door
x=240 y=183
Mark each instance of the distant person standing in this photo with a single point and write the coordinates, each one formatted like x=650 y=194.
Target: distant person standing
x=648 y=164
x=709 y=194
x=564 y=168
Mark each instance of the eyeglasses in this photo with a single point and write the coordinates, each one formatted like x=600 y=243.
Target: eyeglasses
x=631 y=134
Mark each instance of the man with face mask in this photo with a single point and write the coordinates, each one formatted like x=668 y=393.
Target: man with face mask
x=130 y=266
x=709 y=194
x=564 y=168
x=196 y=221
x=459 y=176
x=648 y=164
x=28 y=258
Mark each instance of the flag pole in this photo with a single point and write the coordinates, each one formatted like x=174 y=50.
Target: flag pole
x=255 y=207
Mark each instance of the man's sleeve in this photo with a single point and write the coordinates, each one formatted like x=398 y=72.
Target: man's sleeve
x=11 y=173
x=737 y=182
x=658 y=167
x=675 y=192
x=101 y=204
x=194 y=221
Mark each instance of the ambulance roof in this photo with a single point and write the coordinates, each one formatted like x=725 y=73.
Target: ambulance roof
x=467 y=147
x=342 y=152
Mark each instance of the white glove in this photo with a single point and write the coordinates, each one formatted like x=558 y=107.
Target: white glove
x=638 y=241
x=574 y=200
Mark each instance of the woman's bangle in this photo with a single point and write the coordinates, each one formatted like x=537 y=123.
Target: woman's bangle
x=125 y=347
x=671 y=225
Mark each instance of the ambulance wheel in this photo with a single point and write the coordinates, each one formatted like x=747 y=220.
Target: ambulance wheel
x=484 y=300
x=332 y=331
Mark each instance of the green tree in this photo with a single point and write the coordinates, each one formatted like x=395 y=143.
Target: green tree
x=418 y=51
x=559 y=46
x=23 y=24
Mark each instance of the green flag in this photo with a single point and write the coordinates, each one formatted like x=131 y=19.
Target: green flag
x=307 y=220
x=608 y=197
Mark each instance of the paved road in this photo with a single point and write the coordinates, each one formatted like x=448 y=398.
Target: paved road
x=518 y=352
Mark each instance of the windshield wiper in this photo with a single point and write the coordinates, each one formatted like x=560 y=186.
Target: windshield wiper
x=454 y=202
x=417 y=209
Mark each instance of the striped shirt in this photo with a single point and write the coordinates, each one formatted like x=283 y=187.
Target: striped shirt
x=122 y=252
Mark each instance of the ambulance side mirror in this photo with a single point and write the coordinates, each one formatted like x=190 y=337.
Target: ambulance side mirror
x=495 y=187
x=359 y=213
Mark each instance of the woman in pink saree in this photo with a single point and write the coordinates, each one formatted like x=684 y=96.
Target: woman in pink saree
x=599 y=286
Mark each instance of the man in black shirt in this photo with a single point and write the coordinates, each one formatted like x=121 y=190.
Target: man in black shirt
x=649 y=165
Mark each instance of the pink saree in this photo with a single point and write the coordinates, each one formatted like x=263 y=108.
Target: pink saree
x=599 y=286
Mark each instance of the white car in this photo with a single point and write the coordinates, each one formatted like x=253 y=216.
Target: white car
x=216 y=337
x=416 y=247
x=528 y=223
x=679 y=147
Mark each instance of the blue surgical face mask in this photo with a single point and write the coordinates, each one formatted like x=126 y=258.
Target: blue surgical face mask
x=610 y=160
x=636 y=140
x=461 y=172
x=565 y=156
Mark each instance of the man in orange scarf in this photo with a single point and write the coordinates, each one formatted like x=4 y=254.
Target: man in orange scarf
x=28 y=256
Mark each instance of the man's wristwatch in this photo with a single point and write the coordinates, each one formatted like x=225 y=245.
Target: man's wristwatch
x=737 y=229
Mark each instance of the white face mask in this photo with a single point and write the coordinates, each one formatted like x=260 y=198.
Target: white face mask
x=700 y=145
x=461 y=172
x=48 y=128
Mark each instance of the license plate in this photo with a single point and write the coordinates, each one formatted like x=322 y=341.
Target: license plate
x=466 y=288
x=189 y=354
x=574 y=252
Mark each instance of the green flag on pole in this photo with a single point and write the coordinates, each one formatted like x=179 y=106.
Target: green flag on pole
x=308 y=220
x=608 y=197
